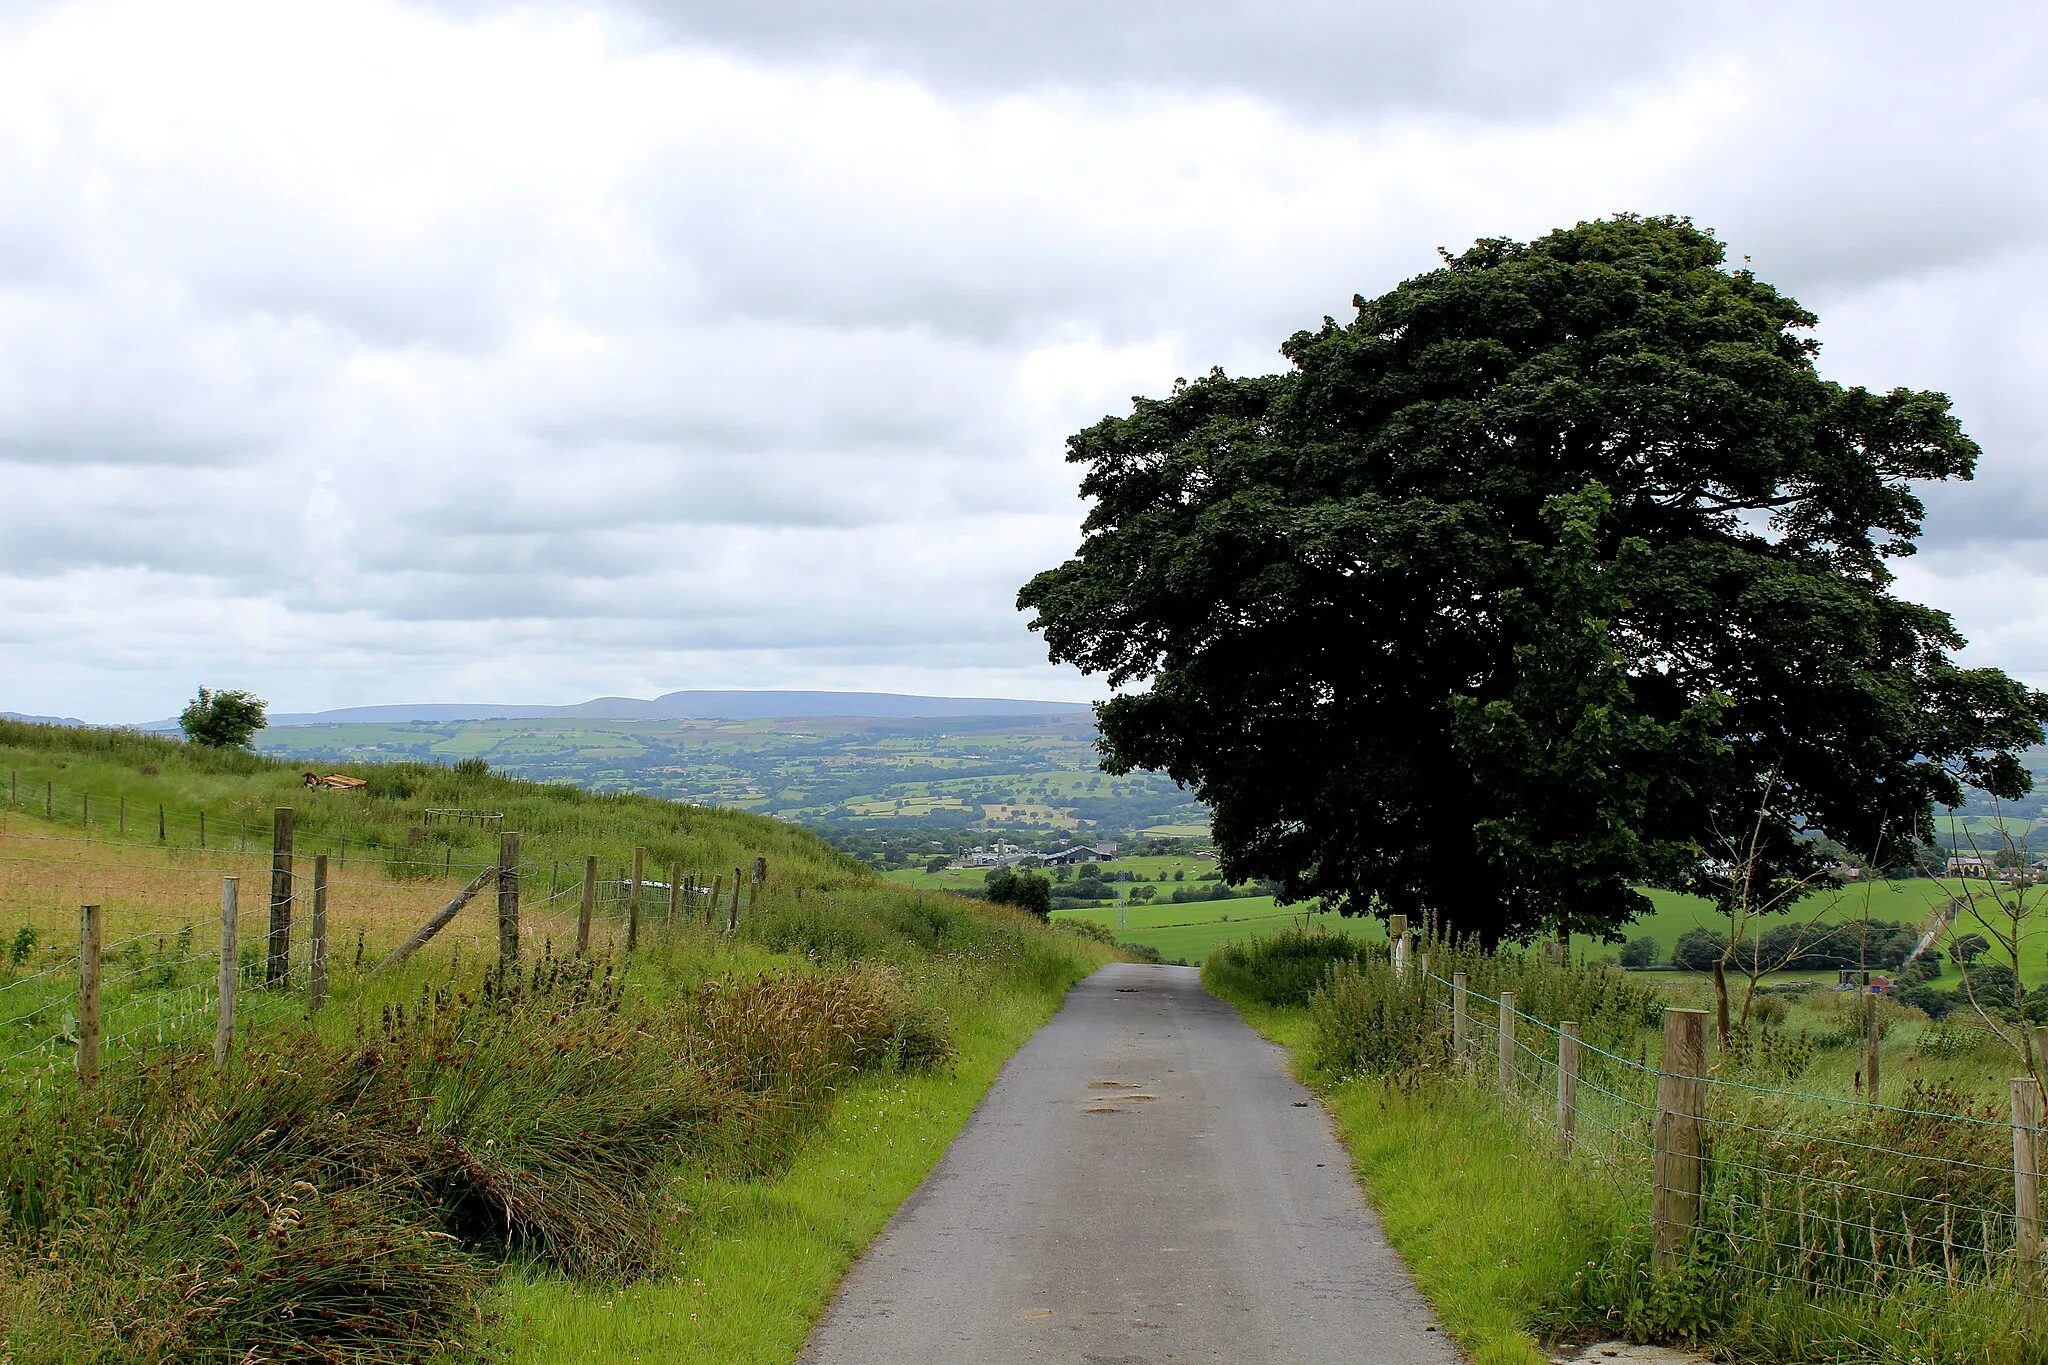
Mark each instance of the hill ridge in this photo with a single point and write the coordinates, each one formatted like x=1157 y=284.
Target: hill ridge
x=736 y=704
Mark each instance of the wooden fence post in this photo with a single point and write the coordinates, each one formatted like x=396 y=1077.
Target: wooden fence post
x=2026 y=1168
x=732 y=917
x=230 y=968
x=1567 y=1085
x=278 y=970
x=202 y=829
x=675 y=892
x=1871 y=1037
x=85 y=810
x=760 y=880
x=49 y=800
x=160 y=830
x=316 y=955
x=633 y=900
x=508 y=899
x=711 y=904
x=88 y=993
x=1681 y=1126
x=589 y=904
x=1397 y=934
x=425 y=933
x=1506 y=1077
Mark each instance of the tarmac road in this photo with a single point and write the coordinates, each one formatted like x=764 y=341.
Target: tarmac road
x=1143 y=1183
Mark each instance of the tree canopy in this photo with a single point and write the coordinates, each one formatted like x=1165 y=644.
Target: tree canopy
x=1558 y=571
x=223 y=720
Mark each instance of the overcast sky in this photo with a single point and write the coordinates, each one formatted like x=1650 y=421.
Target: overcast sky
x=359 y=351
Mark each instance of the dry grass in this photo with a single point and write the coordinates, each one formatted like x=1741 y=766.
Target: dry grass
x=47 y=872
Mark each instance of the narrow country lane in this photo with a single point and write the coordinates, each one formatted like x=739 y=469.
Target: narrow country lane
x=1143 y=1183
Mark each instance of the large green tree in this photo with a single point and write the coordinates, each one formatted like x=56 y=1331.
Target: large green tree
x=1558 y=571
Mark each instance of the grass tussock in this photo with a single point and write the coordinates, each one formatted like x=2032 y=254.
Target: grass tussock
x=322 y=1202
x=1363 y=1021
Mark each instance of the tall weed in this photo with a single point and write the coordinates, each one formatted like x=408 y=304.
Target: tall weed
x=1365 y=1021
x=1281 y=970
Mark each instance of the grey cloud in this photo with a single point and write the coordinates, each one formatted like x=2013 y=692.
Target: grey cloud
x=1488 y=56
x=760 y=407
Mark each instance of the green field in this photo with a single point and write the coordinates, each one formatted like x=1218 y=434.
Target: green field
x=1182 y=933
x=1188 y=931
x=1158 y=870
x=1907 y=902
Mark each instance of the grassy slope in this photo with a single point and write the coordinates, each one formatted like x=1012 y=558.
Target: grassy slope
x=755 y=1259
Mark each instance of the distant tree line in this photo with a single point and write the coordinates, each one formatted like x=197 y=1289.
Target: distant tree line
x=1881 y=945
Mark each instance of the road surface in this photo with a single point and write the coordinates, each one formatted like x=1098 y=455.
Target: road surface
x=1143 y=1183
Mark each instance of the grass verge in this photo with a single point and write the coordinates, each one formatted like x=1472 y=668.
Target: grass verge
x=755 y=1262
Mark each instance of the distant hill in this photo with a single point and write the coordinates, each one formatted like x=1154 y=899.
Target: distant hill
x=686 y=706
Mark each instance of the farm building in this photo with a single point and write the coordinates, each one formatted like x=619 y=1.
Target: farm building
x=1081 y=853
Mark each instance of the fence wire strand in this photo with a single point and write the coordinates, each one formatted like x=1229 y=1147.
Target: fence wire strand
x=1801 y=1188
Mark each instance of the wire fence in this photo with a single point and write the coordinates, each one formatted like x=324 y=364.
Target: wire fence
x=1931 y=1205
x=153 y=988
x=164 y=985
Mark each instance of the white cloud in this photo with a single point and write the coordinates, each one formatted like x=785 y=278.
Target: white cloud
x=374 y=351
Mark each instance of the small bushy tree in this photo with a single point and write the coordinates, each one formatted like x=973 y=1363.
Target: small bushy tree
x=224 y=720
x=1025 y=890
x=1639 y=953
